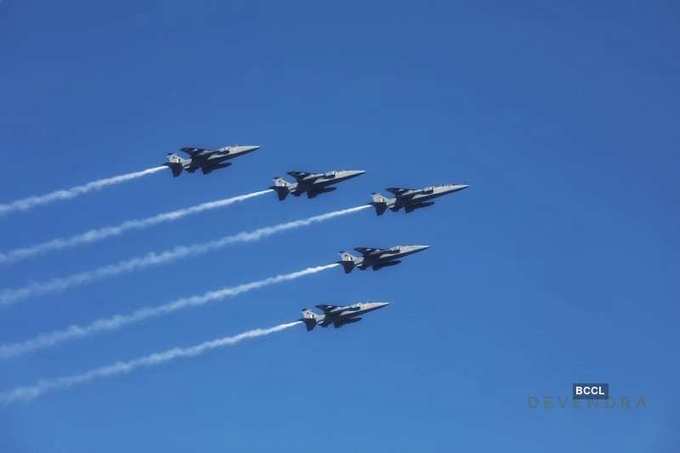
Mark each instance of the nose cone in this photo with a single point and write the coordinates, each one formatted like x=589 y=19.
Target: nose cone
x=346 y=174
x=375 y=305
x=450 y=188
x=244 y=149
x=411 y=249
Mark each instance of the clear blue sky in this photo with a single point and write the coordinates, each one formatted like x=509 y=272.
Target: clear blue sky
x=558 y=265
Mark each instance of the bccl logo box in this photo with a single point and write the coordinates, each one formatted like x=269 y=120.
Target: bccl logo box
x=590 y=391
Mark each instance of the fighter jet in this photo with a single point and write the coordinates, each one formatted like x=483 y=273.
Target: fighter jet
x=412 y=199
x=338 y=316
x=207 y=160
x=312 y=183
x=377 y=258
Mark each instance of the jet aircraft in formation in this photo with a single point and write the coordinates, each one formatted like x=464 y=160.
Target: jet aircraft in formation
x=207 y=160
x=312 y=183
x=338 y=316
x=412 y=199
x=376 y=258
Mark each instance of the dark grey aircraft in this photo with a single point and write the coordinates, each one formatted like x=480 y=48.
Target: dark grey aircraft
x=312 y=183
x=207 y=160
x=338 y=315
x=377 y=258
x=412 y=199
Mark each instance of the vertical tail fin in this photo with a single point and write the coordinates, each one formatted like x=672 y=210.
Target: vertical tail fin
x=281 y=187
x=175 y=163
x=348 y=261
x=309 y=318
x=381 y=203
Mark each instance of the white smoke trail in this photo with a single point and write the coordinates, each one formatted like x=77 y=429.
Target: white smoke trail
x=31 y=202
x=115 y=322
x=31 y=392
x=106 y=232
x=10 y=296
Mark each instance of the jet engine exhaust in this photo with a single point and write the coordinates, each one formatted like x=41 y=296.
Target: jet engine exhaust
x=28 y=393
x=116 y=322
x=99 y=234
x=31 y=202
x=10 y=296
